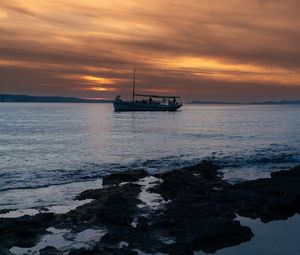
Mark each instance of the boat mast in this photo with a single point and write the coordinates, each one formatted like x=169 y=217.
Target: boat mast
x=133 y=89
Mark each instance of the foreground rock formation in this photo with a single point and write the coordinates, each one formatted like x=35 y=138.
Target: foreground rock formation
x=176 y=212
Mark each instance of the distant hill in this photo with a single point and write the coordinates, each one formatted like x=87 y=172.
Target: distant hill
x=47 y=99
x=56 y=99
x=282 y=102
x=212 y=102
x=279 y=102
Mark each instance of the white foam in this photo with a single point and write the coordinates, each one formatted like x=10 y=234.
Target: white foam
x=135 y=222
x=63 y=240
x=144 y=253
x=150 y=200
x=168 y=240
x=123 y=244
x=58 y=209
x=57 y=195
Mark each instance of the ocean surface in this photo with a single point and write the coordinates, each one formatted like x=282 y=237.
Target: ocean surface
x=50 y=152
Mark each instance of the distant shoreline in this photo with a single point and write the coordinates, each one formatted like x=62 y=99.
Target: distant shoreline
x=7 y=98
x=282 y=102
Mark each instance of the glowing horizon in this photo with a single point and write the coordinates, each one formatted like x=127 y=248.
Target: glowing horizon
x=230 y=50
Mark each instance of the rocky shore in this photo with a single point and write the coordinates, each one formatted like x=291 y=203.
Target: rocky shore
x=175 y=212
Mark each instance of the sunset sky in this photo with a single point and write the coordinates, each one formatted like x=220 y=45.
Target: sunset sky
x=233 y=50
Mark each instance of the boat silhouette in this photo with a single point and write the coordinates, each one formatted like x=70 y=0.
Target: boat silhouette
x=142 y=102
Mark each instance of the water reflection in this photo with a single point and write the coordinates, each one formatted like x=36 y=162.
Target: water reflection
x=273 y=238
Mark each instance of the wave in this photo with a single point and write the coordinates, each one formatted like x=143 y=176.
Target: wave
x=91 y=171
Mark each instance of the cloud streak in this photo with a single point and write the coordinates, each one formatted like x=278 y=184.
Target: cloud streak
x=228 y=50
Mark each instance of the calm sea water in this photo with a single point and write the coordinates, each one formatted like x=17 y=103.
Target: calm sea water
x=50 y=152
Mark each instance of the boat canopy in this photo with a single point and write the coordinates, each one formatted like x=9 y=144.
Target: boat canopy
x=155 y=96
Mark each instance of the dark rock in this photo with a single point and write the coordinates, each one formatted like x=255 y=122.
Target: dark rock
x=113 y=206
x=103 y=250
x=49 y=250
x=226 y=234
x=204 y=176
x=200 y=214
x=82 y=251
x=114 y=250
x=23 y=231
x=198 y=217
x=205 y=168
x=125 y=176
x=294 y=172
x=276 y=198
x=3 y=211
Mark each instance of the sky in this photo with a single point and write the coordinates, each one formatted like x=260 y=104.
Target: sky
x=229 y=50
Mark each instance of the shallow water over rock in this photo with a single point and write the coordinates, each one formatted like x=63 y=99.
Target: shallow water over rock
x=62 y=240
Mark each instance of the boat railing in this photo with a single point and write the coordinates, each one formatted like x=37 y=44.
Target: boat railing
x=167 y=100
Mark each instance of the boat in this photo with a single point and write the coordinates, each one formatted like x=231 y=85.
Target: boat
x=142 y=102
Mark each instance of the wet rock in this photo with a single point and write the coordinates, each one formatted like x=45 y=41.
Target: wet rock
x=294 y=173
x=115 y=251
x=23 y=231
x=125 y=176
x=225 y=234
x=198 y=217
x=104 y=250
x=204 y=176
x=3 y=211
x=275 y=198
x=205 y=169
x=200 y=214
x=82 y=251
x=113 y=206
x=48 y=250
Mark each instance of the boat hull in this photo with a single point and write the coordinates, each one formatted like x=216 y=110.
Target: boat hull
x=125 y=106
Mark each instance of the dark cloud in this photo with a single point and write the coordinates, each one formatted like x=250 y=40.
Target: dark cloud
x=229 y=50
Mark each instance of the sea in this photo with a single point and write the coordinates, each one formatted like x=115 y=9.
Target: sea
x=50 y=152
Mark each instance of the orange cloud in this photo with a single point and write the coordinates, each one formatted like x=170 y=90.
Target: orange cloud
x=194 y=48
x=100 y=89
x=3 y=14
x=235 y=72
x=98 y=80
